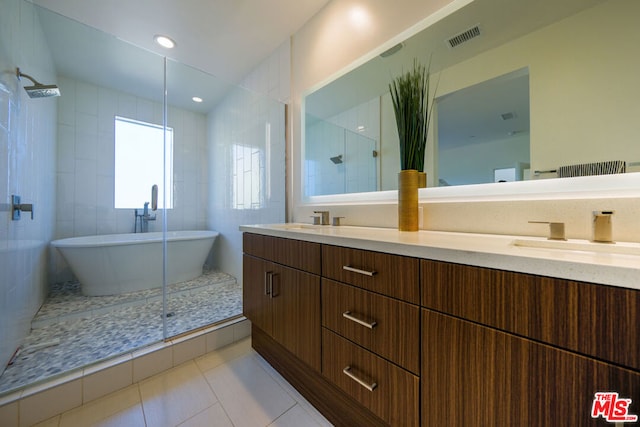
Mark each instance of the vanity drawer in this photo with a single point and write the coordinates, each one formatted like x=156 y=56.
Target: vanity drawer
x=386 y=326
x=392 y=275
x=292 y=253
x=395 y=396
x=595 y=320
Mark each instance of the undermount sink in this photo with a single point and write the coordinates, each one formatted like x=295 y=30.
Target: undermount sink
x=624 y=248
x=296 y=226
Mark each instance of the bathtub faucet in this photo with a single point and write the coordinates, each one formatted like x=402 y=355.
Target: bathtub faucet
x=144 y=219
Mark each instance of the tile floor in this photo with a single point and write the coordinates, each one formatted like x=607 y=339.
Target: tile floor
x=71 y=330
x=232 y=386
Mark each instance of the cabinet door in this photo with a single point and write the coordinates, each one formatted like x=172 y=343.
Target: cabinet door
x=479 y=376
x=256 y=301
x=295 y=298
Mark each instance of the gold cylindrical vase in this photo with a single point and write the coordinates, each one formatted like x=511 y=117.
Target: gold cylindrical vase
x=408 y=200
x=422 y=180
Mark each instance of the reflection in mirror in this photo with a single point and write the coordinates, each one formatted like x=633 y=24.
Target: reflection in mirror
x=350 y=166
x=573 y=65
x=482 y=129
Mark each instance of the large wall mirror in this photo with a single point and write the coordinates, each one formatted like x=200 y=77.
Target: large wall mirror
x=531 y=90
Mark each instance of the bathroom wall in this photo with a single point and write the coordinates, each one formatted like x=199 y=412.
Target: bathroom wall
x=247 y=173
x=27 y=168
x=583 y=84
x=318 y=57
x=85 y=164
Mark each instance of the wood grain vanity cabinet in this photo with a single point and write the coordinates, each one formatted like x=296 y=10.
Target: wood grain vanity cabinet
x=374 y=339
x=517 y=349
x=283 y=301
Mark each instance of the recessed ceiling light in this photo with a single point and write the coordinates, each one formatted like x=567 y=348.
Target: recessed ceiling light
x=164 y=41
x=196 y=99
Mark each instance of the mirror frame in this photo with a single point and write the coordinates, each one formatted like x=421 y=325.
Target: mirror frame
x=589 y=187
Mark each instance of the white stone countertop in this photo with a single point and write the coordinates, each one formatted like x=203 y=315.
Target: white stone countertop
x=573 y=259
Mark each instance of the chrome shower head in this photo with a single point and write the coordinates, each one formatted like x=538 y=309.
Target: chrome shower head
x=42 y=91
x=38 y=90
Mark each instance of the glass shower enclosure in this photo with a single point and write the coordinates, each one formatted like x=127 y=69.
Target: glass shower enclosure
x=131 y=241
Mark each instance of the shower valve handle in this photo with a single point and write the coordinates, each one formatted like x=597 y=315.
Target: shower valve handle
x=17 y=207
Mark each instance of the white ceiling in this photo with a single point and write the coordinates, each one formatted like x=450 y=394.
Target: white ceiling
x=226 y=38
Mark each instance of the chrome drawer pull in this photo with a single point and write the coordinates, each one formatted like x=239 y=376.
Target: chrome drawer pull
x=271 y=292
x=348 y=315
x=268 y=280
x=347 y=372
x=357 y=270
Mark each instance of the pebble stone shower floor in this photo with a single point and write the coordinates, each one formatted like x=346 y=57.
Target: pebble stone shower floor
x=72 y=330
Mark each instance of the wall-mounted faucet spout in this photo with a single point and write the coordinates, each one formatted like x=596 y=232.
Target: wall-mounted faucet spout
x=145 y=217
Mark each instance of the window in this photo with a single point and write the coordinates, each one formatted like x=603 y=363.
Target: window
x=139 y=156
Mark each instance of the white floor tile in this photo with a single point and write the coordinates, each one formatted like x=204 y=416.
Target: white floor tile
x=295 y=417
x=51 y=422
x=214 y=359
x=175 y=396
x=213 y=416
x=312 y=411
x=230 y=387
x=122 y=408
x=249 y=395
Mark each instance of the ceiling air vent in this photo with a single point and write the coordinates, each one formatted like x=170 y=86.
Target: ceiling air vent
x=464 y=36
x=391 y=51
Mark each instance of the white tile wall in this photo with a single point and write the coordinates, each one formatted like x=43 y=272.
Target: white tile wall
x=241 y=119
x=27 y=162
x=85 y=168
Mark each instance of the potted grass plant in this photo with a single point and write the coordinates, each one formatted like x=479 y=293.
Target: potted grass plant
x=412 y=107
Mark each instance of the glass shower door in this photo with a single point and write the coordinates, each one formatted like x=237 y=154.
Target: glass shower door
x=68 y=157
x=228 y=170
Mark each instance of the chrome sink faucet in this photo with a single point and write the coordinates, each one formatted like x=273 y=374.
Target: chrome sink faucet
x=324 y=217
x=556 y=229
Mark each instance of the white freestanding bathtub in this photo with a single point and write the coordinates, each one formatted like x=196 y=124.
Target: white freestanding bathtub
x=117 y=263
